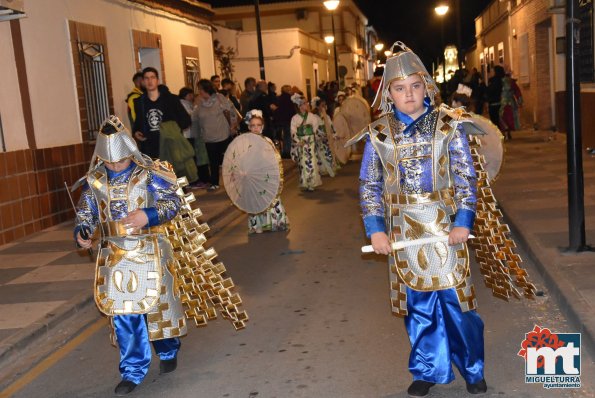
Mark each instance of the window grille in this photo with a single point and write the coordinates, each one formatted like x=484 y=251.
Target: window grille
x=191 y=72
x=586 y=41
x=94 y=79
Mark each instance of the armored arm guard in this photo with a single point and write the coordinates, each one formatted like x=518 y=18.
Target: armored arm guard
x=370 y=191
x=166 y=201
x=464 y=180
x=87 y=213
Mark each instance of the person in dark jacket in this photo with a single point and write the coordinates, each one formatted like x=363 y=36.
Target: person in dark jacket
x=152 y=108
x=263 y=103
x=282 y=116
x=494 y=93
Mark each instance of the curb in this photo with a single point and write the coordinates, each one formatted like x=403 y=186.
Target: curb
x=20 y=340
x=560 y=289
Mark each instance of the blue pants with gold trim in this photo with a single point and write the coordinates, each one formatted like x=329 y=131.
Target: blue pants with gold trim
x=442 y=335
x=135 y=350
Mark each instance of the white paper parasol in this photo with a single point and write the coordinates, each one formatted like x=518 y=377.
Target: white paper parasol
x=252 y=173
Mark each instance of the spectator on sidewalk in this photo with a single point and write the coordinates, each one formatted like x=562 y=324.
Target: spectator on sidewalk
x=494 y=94
x=192 y=134
x=247 y=94
x=216 y=80
x=154 y=107
x=230 y=92
x=511 y=101
x=136 y=92
x=217 y=119
x=282 y=117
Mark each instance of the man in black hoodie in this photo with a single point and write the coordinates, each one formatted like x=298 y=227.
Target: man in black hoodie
x=155 y=106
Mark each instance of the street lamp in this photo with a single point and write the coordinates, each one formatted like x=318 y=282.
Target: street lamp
x=329 y=39
x=379 y=46
x=441 y=11
x=332 y=5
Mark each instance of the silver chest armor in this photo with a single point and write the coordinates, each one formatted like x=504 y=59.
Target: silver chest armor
x=419 y=204
x=134 y=272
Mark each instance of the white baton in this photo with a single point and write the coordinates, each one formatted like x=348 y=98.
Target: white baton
x=406 y=243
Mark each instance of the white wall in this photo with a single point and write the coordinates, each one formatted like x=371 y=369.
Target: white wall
x=277 y=44
x=11 y=110
x=49 y=59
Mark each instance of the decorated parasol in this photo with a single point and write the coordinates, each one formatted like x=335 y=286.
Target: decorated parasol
x=491 y=148
x=252 y=173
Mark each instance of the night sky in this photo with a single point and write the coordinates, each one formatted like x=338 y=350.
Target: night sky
x=412 y=22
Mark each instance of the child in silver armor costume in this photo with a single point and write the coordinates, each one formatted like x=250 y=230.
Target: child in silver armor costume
x=127 y=196
x=417 y=181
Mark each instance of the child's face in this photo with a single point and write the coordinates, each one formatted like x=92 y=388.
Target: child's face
x=118 y=166
x=408 y=94
x=304 y=107
x=255 y=125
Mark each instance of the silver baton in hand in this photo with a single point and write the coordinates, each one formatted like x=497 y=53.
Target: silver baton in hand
x=416 y=242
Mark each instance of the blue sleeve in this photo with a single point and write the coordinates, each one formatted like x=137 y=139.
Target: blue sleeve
x=87 y=213
x=370 y=191
x=464 y=179
x=464 y=218
x=166 y=200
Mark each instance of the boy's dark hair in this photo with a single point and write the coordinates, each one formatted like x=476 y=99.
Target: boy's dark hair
x=206 y=86
x=184 y=91
x=463 y=99
x=137 y=75
x=214 y=77
x=249 y=80
x=150 y=69
x=226 y=81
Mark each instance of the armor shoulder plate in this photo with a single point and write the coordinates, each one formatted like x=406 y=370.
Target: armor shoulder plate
x=374 y=129
x=163 y=169
x=463 y=118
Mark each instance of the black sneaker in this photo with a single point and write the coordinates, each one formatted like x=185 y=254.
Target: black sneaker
x=124 y=387
x=167 y=365
x=477 y=388
x=420 y=388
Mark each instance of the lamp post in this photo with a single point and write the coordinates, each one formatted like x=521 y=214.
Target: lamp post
x=441 y=11
x=332 y=5
x=259 y=40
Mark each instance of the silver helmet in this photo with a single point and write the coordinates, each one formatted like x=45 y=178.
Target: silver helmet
x=399 y=66
x=114 y=143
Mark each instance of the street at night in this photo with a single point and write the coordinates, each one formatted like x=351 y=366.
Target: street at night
x=320 y=322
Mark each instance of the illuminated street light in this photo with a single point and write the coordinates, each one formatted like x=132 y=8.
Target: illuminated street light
x=379 y=46
x=441 y=9
x=388 y=53
x=329 y=39
x=332 y=5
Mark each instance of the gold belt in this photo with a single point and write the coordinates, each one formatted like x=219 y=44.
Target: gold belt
x=118 y=229
x=420 y=198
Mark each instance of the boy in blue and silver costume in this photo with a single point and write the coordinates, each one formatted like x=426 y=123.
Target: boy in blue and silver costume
x=128 y=197
x=417 y=180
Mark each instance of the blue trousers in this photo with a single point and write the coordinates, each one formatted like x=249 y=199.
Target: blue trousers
x=442 y=335
x=135 y=350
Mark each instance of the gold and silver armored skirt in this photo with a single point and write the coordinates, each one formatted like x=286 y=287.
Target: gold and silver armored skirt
x=428 y=267
x=133 y=276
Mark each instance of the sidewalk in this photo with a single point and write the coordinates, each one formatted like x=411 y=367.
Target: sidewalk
x=532 y=191
x=44 y=280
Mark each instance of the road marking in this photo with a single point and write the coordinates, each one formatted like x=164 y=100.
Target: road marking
x=44 y=365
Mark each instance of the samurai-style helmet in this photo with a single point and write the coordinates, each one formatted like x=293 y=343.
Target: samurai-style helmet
x=399 y=66
x=114 y=143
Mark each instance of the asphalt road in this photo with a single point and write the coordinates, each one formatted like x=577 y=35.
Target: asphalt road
x=320 y=323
